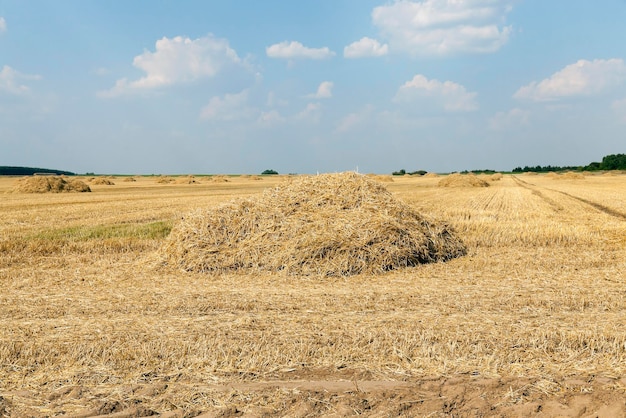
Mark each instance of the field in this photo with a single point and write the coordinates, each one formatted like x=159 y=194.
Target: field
x=531 y=322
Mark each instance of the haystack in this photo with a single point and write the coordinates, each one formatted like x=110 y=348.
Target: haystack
x=430 y=174
x=462 y=180
x=329 y=225
x=102 y=181
x=496 y=177
x=49 y=184
x=570 y=175
x=130 y=179
x=219 y=179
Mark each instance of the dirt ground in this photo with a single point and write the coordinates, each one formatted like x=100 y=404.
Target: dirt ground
x=318 y=394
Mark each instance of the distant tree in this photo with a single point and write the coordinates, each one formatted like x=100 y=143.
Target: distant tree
x=614 y=162
x=402 y=172
x=266 y=172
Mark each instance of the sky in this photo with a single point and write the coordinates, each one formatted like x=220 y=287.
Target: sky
x=241 y=86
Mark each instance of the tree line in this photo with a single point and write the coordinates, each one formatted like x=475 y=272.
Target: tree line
x=609 y=162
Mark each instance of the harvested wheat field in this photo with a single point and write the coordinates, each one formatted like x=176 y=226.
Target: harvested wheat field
x=462 y=180
x=529 y=322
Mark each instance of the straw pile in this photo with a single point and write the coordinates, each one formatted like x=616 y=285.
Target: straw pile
x=219 y=179
x=165 y=180
x=496 y=177
x=430 y=174
x=187 y=180
x=570 y=175
x=130 y=179
x=329 y=225
x=49 y=184
x=102 y=181
x=462 y=180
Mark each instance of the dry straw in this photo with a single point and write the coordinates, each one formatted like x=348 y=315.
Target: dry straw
x=329 y=225
x=462 y=180
x=49 y=184
x=102 y=181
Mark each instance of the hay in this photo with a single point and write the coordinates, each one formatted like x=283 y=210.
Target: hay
x=570 y=175
x=383 y=178
x=102 y=181
x=462 y=180
x=219 y=179
x=329 y=225
x=165 y=180
x=429 y=175
x=49 y=184
x=496 y=177
x=187 y=180
x=130 y=179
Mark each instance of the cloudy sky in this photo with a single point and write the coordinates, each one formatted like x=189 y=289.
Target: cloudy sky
x=240 y=86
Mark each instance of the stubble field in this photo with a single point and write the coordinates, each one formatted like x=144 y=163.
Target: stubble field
x=531 y=322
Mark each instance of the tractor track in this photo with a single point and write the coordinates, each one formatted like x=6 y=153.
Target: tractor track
x=599 y=207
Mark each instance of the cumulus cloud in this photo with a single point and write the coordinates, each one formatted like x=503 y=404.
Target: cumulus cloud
x=11 y=81
x=583 y=78
x=227 y=108
x=178 y=60
x=293 y=50
x=324 y=91
x=3 y=25
x=450 y=96
x=444 y=27
x=514 y=118
x=365 y=47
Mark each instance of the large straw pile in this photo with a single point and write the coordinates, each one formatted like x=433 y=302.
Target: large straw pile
x=462 y=180
x=49 y=184
x=329 y=225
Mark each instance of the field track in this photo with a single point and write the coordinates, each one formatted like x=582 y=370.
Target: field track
x=529 y=323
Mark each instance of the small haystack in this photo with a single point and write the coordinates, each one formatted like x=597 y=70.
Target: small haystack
x=129 y=179
x=187 y=180
x=570 y=175
x=495 y=177
x=330 y=225
x=165 y=180
x=103 y=181
x=430 y=175
x=49 y=184
x=219 y=179
x=462 y=180
x=383 y=178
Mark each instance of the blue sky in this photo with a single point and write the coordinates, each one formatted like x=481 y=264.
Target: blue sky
x=150 y=87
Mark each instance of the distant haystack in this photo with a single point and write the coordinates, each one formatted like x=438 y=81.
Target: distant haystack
x=329 y=225
x=102 y=181
x=383 y=178
x=49 y=184
x=130 y=179
x=570 y=175
x=165 y=180
x=462 y=180
x=496 y=177
x=187 y=180
x=430 y=175
x=219 y=179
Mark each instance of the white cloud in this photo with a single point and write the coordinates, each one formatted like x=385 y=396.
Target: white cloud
x=444 y=27
x=3 y=25
x=270 y=118
x=365 y=47
x=293 y=49
x=178 y=60
x=11 y=81
x=324 y=91
x=514 y=118
x=583 y=78
x=450 y=96
x=228 y=108
x=311 y=113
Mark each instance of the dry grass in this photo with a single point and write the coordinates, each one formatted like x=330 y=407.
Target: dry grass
x=87 y=324
x=331 y=225
x=49 y=184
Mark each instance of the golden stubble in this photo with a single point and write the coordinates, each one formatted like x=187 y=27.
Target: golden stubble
x=84 y=302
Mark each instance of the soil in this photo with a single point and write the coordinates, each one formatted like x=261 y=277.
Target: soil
x=331 y=396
